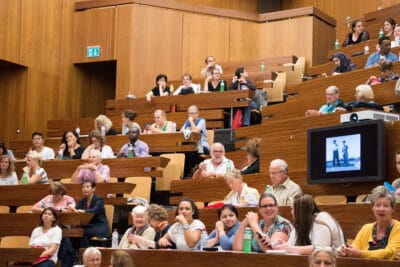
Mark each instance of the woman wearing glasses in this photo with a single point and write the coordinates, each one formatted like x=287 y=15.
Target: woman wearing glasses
x=312 y=227
x=266 y=232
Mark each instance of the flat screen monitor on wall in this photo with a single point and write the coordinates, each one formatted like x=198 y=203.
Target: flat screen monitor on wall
x=351 y=152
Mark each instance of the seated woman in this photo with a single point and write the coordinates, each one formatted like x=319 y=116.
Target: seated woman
x=161 y=125
x=343 y=64
x=5 y=151
x=186 y=232
x=323 y=256
x=213 y=83
x=253 y=156
x=225 y=229
x=358 y=34
x=137 y=236
x=158 y=219
x=396 y=183
x=388 y=26
x=266 y=232
x=103 y=123
x=47 y=236
x=71 y=147
x=57 y=199
x=96 y=140
x=387 y=75
x=210 y=66
x=7 y=173
x=364 y=99
x=241 y=82
x=240 y=195
x=188 y=87
x=380 y=239
x=128 y=121
x=91 y=203
x=36 y=174
x=312 y=228
x=161 y=88
x=93 y=170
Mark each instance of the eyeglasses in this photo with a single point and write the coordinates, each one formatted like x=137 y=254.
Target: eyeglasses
x=267 y=206
x=275 y=173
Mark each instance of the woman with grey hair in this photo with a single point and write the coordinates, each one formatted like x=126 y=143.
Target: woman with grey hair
x=323 y=256
x=91 y=258
x=134 y=237
x=380 y=239
x=240 y=195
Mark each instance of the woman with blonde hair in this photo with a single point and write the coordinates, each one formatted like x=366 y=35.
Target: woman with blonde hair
x=121 y=258
x=36 y=174
x=58 y=199
x=240 y=195
x=7 y=171
x=364 y=99
x=103 y=122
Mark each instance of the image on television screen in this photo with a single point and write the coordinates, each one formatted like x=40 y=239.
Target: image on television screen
x=343 y=153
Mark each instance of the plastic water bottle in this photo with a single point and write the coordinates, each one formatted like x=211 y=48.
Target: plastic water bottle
x=268 y=189
x=171 y=89
x=222 y=86
x=366 y=50
x=203 y=240
x=25 y=177
x=337 y=44
x=262 y=67
x=130 y=151
x=247 y=240
x=114 y=239
x=60 y=154
x=381 y=33
x=78 y=130
x=228 y=166
x=103 y=130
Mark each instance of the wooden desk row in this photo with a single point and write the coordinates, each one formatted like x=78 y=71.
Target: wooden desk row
x=158 y=143
x=56 y=128
x=24 y=223
x=121 y=167
x=227 y=99
x=17 y=195
x=172 y=258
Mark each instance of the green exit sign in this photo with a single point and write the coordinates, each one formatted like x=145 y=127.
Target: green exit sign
x=93 y=51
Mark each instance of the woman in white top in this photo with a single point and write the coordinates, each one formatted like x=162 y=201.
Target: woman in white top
x=186 y=232
x=97 y=143
x=7 y=173
x=312 y=228
x=47 y=236
x=241 y=194
x=36 y=174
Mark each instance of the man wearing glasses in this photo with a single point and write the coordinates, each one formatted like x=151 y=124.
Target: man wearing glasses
x=282 y=188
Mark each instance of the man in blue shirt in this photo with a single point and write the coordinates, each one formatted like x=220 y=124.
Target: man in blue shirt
x=383 y=53
x=332 y=102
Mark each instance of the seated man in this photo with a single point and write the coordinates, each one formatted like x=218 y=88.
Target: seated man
x=195 y=124
x=93 y=171
x=217 y=166
x=140 y=148
x=332 y=102
x=387 y=74
x=282 y=187
x=383 y=53
x=207 y=70
x=38 y=146
x=188 y=87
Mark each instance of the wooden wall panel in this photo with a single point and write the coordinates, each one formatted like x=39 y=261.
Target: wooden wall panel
x=287 y=37
x=323 y=39
x=10 y=30
x=244 y=36
x=242 y=5
x=149 y=42
x=95 y=27
x=203 y=36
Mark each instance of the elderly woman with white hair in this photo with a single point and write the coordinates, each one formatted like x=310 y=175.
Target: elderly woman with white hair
x=94 y=170
x=36 y=174
x=364 y=99
x=91 y=258
x=137 y=236
x=240 y=195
